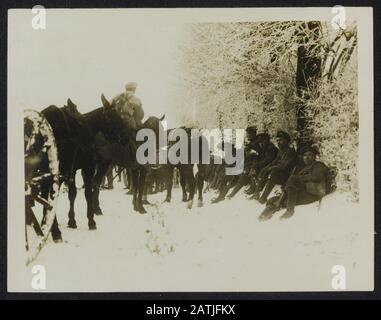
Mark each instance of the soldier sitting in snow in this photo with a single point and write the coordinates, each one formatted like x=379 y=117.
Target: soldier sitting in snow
x=265 y=153
x=250 y=153
x=306 y=185
x=278 y=171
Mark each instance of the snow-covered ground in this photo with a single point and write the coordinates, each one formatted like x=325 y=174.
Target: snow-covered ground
x=220 y=247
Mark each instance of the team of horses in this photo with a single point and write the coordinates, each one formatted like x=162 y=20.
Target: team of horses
x=93 y=141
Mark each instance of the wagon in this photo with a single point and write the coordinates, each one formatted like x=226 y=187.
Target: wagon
x=41 y=182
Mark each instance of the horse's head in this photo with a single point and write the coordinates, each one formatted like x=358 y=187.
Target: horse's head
x=71 y=107
x=154 y=124
x=117 y=121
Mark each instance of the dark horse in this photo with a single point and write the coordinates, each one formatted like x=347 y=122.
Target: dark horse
x=188 y=181
x=122 y=152
x=75 y=138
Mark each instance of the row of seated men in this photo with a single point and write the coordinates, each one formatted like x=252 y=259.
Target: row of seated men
x=303 y=179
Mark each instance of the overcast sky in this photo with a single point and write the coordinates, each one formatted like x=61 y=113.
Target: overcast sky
x=82 y=54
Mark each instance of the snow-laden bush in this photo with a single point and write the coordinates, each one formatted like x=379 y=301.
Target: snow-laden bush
x=334 y=126
x=239 y=74
x=229 y=80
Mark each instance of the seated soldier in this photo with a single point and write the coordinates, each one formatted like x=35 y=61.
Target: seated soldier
x=251 y=146
x=266 y=153
x=306 y=185
x=278 y=171
x=251 y=135
x=250 y=154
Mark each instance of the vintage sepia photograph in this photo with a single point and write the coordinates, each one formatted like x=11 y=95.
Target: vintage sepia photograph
x=190 y=150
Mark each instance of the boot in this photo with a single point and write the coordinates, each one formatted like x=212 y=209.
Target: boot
x=267 y=213
x=218 y=199
x=268 y=188
x=288 y=214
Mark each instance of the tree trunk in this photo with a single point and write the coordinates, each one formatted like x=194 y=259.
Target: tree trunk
x=309 y=67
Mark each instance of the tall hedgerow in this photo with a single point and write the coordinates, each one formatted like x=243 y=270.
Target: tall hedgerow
x=237 y=74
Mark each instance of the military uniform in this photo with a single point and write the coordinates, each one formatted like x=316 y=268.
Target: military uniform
x=130 y=106
x=278 y=171
x=264 y=156
x=306 y=185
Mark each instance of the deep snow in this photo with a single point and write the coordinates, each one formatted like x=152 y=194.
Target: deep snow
x=220 y=247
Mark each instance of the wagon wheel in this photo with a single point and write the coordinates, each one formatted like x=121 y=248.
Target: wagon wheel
x=41 y=181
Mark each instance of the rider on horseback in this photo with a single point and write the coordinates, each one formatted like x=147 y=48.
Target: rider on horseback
x=130 y=106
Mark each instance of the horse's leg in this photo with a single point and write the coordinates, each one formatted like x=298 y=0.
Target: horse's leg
x=147 y=186
x=169 y=184
x=191 y=182
x=101 y=172
x=110 y=177
x=207 y=179
x=153 y=183
x=119 y=171
x=140 y=187
x=215 y=178
x=145 y=193
x=200 y=183
x=183 y=182
x=88 y=176
x=132 y=178
x=134 y=189
x=72 y=194
x=176 y=177
x=126 y=179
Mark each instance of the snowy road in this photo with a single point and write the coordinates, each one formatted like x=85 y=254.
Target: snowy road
x=220 y=247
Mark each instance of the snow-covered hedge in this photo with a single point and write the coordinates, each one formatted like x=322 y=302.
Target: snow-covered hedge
x=334 y=113
x=239 y=74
